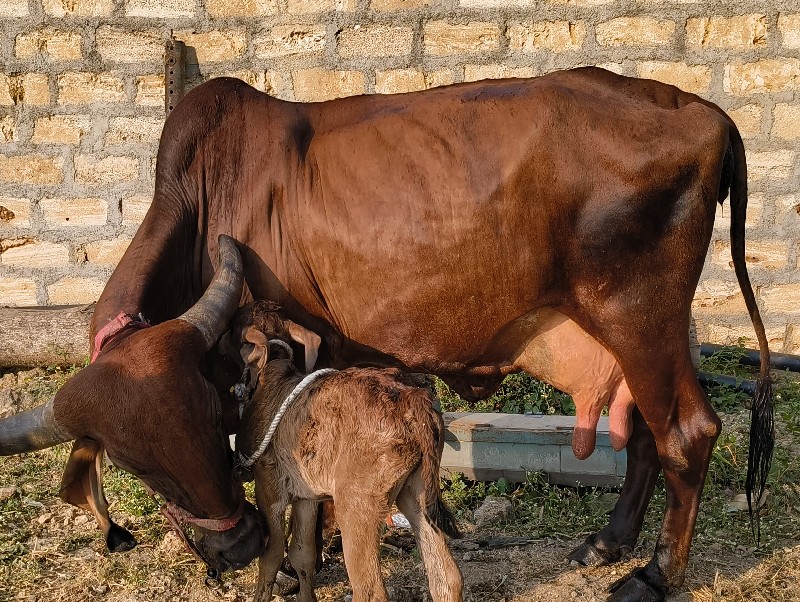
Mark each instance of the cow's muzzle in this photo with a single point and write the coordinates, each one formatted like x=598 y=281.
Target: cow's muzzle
x=224 y=544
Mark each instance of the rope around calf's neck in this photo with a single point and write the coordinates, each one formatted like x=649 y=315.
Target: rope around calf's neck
x=247 y=462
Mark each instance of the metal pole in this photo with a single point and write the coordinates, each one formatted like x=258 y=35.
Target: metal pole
x=174 y=73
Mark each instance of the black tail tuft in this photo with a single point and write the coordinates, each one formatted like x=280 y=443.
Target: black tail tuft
x=762 y=442
x=442 y=518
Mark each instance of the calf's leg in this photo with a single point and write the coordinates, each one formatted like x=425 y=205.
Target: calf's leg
x=274 y=510
x=444 y=577
x=360 y=514
x=303 y=546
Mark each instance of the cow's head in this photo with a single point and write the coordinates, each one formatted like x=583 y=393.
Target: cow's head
x=145 y=402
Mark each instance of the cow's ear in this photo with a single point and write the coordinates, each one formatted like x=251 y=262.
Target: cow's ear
x=82 y=486
x=310 y=341
x=255 y=350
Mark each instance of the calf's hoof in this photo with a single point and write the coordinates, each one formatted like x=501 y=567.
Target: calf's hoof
x=119 y=539
x=588 y=554
x=285 y=584
x=637 y=587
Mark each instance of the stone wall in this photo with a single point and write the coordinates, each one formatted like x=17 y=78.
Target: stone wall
x=81 y=108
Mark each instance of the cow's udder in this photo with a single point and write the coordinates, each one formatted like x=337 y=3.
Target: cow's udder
x=561 y=353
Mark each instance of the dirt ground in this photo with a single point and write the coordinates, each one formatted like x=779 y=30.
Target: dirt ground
x=65 y=560
x=50 y=551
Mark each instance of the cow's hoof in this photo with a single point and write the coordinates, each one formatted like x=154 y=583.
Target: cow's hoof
x=635 y=587
x=588 y=554
x=119 y=539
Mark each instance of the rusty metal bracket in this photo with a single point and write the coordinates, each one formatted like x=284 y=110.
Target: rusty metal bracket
x=174 y=73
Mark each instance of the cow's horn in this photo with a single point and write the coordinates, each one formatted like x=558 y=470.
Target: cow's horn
x=31 y=430
x=211 y=314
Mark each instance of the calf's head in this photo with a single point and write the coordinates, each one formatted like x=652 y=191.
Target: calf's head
x=254 y=326
x=146 y=403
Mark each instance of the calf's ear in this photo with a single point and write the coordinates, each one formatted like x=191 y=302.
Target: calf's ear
x=255 y=349
x=309 y=340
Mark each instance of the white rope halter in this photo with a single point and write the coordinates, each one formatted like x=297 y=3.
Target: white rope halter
x=246 y=462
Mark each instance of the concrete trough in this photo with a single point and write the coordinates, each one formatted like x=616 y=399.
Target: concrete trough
x=488 y=446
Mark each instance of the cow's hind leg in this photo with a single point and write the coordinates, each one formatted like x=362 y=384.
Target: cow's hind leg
x=685 y=427
x=619 y=537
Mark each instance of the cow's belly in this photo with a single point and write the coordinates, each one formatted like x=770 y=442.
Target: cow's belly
x=561 y=353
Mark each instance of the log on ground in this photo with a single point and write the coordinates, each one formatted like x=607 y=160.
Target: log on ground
x=44 y=336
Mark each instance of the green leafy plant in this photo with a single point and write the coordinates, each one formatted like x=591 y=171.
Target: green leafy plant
x=519 y=393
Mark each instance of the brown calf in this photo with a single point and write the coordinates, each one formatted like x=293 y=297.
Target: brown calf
x=365 y=438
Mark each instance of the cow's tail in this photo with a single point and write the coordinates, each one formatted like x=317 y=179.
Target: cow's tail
x=762 y=428
x=430 y=436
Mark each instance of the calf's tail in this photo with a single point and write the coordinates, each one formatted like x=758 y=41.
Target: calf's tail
x=762 y=428
x=430 y=436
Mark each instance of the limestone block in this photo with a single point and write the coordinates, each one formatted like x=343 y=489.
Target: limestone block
x=122 y=46
x=107 y=252
x=61 y=129
x=215 y=46
x=74 y=291
x=374 y=40
x=393 y=5
x=748 y=119
x=160 y=9
x=8 y=129
x=742 y=32
x=289 y=40
x=553 y=36
x=150 y=90
x=134 y=129
x=75 y=88
x=91 y=170
x=770 y=254
x=15 y=212
x=783 y=298
x=17 y=292
x=786 y=121
x=27 y=88
x=399 y=80
x=78 y=8
x=766 y=75
x=31 y=169
x=443 y=39
x=474 y=73
x=73 y=212
x=134 y=209
x=719 y=297
x=789 y=26
x=690 y=78
x=302 y=7
x=770 y=164
x=635 y=31
x=320 y=84
x=35 y=254
x=241 y=8
x=55 y=44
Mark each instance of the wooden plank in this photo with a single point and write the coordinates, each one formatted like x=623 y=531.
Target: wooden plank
x=44 y=336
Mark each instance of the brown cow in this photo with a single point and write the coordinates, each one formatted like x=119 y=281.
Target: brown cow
x=141 y=367
x=364 y=437
x=556 y=225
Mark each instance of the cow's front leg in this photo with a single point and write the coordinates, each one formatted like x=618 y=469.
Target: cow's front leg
x=619 y=537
